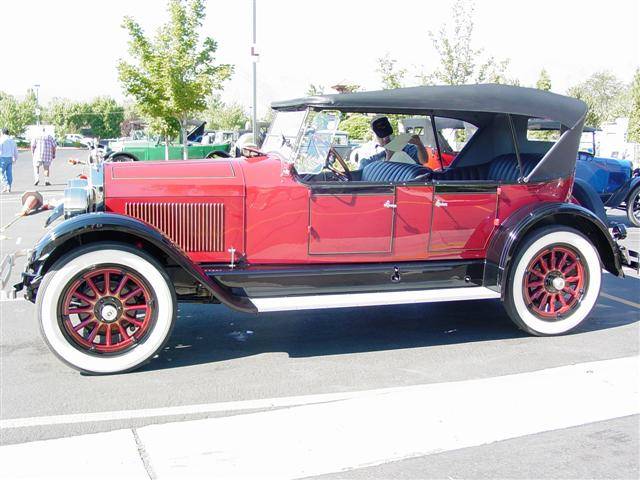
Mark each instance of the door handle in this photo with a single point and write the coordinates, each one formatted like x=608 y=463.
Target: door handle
x=388 y=204
x=440 y=203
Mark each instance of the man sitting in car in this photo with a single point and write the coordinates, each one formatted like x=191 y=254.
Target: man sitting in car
x=383 y=132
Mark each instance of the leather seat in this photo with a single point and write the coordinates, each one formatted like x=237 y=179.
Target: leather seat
x=503 y=168
x=381 y=171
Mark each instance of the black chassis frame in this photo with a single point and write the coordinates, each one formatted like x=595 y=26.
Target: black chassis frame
x=232 y=285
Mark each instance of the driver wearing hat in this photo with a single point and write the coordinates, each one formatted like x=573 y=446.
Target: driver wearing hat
x=383 y=131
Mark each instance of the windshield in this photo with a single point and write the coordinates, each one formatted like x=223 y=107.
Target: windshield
x=317 y=138
x=283 y=133
x=302 y=138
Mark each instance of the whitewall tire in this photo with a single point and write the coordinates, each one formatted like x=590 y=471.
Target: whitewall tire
x=553 y=281
x=106 y=308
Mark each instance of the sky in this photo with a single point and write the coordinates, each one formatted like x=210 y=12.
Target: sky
x=71 y=47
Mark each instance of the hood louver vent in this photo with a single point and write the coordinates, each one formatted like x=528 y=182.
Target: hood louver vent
x=195 y=227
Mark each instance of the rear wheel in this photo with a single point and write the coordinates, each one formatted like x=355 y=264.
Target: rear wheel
x=553 y=282
x=107 y=308
x=633 y=206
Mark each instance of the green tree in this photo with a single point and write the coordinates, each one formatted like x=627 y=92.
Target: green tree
x=17 y=114
x=66 y=116
x=174 y=71
x=105 y=116
x=390 y=75
x=357 y=126
x=314 y=90
x=544 y=81
x=633 y=132
x=222 y=116
x=606 y=96
x=459 y=61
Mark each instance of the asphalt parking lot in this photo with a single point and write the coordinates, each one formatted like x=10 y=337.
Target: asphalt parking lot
x=216 y=355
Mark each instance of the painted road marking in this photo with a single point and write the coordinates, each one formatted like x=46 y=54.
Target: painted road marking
x=376 y=429
x=118 y=449
x=367 y=428
x=234 y=406
x=4 y=297
x=620 y=300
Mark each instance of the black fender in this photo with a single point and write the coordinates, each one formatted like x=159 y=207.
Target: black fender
x=109 y=157
x=589 y=199
x=99 y=226
x=623 y=193
x=513 y=230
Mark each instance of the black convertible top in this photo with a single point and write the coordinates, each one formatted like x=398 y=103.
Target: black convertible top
x=451 y=100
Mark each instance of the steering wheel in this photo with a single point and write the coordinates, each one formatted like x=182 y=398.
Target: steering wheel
x=343 y=176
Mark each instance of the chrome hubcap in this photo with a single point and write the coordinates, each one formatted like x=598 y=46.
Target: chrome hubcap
x=558 y=283
x=109 y=313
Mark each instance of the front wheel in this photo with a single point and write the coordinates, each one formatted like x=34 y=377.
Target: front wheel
x=106 y=308
x=553 y=281
x=633 y=206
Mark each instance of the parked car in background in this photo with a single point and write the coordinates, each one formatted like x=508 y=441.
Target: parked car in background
x=601 y=182
x=78 y=139
x=298 y=229
x=125 y=150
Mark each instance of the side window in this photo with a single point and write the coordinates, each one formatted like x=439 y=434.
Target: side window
x=540 y=130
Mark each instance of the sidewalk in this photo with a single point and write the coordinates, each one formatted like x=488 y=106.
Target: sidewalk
x=362 y=429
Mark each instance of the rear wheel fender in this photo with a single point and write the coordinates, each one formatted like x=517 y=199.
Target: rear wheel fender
x=523 y=222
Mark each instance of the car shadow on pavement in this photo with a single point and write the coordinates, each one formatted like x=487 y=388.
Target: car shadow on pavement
x=205 y=334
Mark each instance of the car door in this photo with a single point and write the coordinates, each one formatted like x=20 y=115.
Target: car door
x=463 y=216
x=351 y=219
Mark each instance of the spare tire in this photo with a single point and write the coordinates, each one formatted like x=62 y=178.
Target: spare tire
x=587 y=197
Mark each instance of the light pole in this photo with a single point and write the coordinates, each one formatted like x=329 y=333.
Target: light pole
x=254 y=59
x=37 y=87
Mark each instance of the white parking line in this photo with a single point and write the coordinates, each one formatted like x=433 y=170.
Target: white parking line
x=624 y=301
x=5 y=298
x=123 y=459
x=367 y=428
x=235 y=406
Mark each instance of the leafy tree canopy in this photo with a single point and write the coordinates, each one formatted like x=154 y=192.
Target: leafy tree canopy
x=174 y=71
x=633 y=132
x=459 y=61
x=222 y=116
x=606 y=96
x=17 y=114
x=544 y=81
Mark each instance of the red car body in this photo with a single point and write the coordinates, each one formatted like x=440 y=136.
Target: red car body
x=275 y=231
x=272 y=218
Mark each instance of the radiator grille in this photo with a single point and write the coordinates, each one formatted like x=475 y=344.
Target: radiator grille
x=195 y=227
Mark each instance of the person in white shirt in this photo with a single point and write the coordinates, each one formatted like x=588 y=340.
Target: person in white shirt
x=8 y=156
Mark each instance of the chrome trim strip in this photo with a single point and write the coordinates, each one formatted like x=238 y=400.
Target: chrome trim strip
x=314 y=302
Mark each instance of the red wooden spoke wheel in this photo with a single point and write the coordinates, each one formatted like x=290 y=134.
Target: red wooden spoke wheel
x=107 y=310
x=554 y=282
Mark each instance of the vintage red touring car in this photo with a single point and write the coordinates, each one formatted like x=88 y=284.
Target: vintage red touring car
x=292 y=227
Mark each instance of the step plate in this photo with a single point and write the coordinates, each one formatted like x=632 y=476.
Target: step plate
x=313 y=302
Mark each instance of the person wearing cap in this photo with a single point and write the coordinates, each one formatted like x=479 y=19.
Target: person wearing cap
x=8 y=156
x=383 y=132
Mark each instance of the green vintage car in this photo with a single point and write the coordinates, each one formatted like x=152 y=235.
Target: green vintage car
x=147 y=148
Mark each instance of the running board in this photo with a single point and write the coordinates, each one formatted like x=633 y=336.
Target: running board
x=313 y=302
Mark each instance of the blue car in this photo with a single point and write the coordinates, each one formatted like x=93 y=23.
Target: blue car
x=602 y=182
